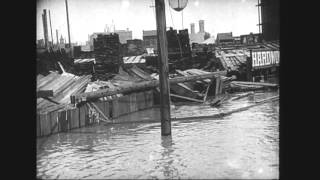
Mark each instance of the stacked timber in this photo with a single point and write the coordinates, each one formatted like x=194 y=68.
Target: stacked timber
x=179 y=50
x=63 y=86
x=83 y=66
x=134 y=47
x=107 y=55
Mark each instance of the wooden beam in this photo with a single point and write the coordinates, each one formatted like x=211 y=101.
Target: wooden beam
x=100 y=112
x=138 y=86
x=44 y=93
x=187 y=98
x=163 y=68
x=255 y=83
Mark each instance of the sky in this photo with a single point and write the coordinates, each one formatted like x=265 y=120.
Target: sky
x=88 y=16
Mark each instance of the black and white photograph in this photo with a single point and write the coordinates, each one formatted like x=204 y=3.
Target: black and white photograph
x=157 y=89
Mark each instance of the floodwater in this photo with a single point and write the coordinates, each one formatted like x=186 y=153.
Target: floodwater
x=242 y=145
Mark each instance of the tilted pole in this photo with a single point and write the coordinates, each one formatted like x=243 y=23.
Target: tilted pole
x=68 y=27
x=51 y=28
x=164 y=70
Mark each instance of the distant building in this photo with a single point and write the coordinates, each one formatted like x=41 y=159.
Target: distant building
x=150 y=40
x=237 y=40
x=200 y=36
x=250 y=38
x=124 y=35
x=224 y=38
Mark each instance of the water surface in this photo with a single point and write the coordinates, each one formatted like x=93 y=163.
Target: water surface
x=242 y=145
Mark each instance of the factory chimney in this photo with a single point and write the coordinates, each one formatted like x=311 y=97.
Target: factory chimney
x=192 y=28
x=201 y=26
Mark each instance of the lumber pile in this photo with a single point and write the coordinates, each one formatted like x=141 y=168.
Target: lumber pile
x=84 y=66
x=134 y=47
x=179 y=50
x=107 y=56
x=63 y=86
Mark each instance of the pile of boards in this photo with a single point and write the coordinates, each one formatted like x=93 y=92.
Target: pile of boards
x=63 y=85
x=134 y=47
x=179 y=50
x=84 y=66
x=107 y=55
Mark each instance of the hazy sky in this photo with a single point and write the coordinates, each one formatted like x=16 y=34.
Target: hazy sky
x=88 y=16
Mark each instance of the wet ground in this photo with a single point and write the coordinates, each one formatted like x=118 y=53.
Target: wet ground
x=242 y=145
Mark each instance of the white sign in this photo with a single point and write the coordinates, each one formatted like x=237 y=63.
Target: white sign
x=265 y=58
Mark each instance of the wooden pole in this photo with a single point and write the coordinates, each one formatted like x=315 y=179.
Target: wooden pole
x=57 y=39
x=164 y=70
x=45 y=27
x=68 y=26
x=51 y=28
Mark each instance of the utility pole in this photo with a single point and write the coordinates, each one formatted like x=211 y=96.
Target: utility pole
x=58 y=44
x=164 y=70
x=51 y=28
x=258 y=5
x=45 y=27
x=68 y=27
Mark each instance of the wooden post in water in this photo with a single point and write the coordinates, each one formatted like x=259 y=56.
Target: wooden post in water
x=164 y=70
x=249 y=67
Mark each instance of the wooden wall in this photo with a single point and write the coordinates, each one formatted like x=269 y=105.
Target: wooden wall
x=72 y=118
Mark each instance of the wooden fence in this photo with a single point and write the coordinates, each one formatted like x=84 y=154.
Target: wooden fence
x=66 y=119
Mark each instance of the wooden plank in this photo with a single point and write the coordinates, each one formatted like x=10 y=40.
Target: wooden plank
x=106 y=105
x=150 y=99
x=54 y=122
x=218 y=82
x=115 y=108
x=44 y=93
x=62 y=119
x=101 y=105
x=106 y=119
x=74 y=118
x=187 y=98
x=82 y=115
x=45 y=124
x=255 y=83
x=133 y=101
x=140 y=100
x=68 y=118
x=38 y=126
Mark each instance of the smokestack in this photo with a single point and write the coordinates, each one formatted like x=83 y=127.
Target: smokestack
x=45 y=27
x=192 y=28
x=201 y=26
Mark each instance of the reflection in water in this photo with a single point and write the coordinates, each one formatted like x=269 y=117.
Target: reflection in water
x=242 y=145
